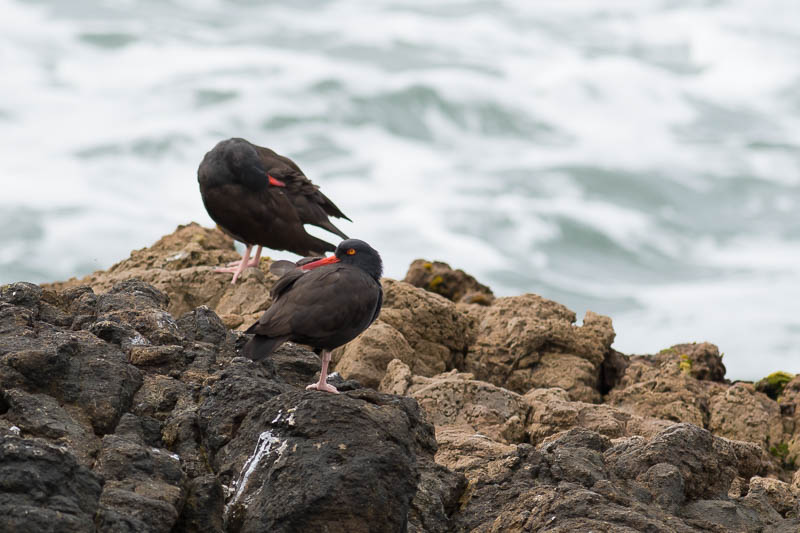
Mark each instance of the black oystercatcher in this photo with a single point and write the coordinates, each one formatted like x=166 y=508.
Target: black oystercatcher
x=323 y=304
x=262 y=198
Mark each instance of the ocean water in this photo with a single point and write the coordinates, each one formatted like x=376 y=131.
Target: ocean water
x=637 y=158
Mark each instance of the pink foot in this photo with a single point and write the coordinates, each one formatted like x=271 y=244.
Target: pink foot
x=252 y=263
x=325 y=387
x=237 y=267
x=322 y=384
x=237 y=271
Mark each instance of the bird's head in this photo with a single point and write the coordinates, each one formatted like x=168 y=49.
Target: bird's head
x=354 y=252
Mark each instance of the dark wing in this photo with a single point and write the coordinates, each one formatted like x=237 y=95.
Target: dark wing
x=343 y=306
x=312 y=206
x=285 y=282
x=290 y=294
x=281 y=267
x=331 y=304
x=267 y=325
x=380 y=304
x=316 y=207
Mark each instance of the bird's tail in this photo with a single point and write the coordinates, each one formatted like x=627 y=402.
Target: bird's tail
x=260 y=346
x=317 y=246
x=328 y=225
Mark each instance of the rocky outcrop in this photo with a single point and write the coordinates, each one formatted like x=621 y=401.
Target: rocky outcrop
x=455 y=285
x=43 y=485
x=181 y=265
x=525 y=342
x=157 y=425
x=672 y=385
x=458 y=399
x=551 y=412
x=125 y=406
x=366 y=358
x=348 y=462
x=580 y=480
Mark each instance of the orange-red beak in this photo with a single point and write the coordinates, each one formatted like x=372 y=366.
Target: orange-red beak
x=321 y=262
x=276 y=182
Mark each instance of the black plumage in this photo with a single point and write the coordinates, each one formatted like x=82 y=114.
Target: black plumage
x=262 y=198
x=323 y=304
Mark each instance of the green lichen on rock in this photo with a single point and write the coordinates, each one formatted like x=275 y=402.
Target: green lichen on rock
x=685 y=364
x=435 y=282
x=773 y=384
x=781 y=452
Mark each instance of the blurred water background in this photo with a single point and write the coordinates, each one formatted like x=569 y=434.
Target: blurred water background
x=640 y=159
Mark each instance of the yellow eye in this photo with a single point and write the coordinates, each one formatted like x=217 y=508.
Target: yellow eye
x=351 y=251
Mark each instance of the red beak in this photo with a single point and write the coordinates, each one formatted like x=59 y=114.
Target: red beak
x=276 y=182
x=321 y=262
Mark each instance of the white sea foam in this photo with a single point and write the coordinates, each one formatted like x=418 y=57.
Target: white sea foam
x=639 y=159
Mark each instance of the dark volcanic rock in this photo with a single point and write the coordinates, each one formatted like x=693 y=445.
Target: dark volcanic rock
x=707 y=464
x=40 y=415
x=202 y=511
x=73 y=366
x=295 y=365
x=168 y=416
x=43 y=488
x=580 y=480
x=22 y=294
x=238 y=390
x=143 y=307
x=307 y=461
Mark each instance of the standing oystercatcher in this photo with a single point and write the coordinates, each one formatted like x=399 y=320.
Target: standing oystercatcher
x=262 y=198
x=323 y=304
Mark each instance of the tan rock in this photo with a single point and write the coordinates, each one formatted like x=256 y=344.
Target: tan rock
x=782 y=496
x=742 y=413
x=156 y=355
x=458 y=399
x=182 y=264
x=516 y=333
x=365 y=358
x=569 y=372
x=476 y=456
x=701 y=360
x=663 y=386
x=790 y=405
x=432 y=325
x=552 y=412
x=677 y=399
x=455 y=285
x=397 y=378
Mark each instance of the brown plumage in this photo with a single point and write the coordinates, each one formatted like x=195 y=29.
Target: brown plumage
x=262 y=198
x=323 y=304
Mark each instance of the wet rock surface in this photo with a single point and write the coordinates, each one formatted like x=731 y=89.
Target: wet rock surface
x=125 y=406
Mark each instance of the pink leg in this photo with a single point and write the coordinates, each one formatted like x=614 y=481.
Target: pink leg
x=257 y=258
x=237 y=270
x=252 y=263
x=323 y=376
